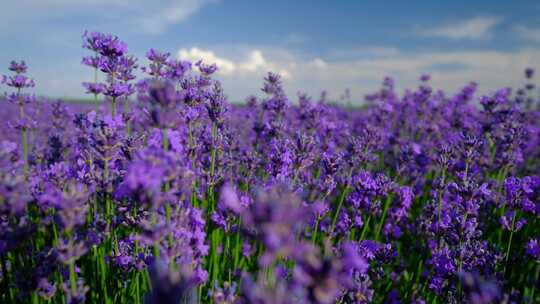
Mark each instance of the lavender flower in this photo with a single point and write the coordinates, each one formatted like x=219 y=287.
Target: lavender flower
x=171 y=286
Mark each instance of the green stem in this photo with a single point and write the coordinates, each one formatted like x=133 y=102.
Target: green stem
x=155 y=247
x=24 y=134
x=166 y=187
x=314 y=233
x=214 y=258
x=95 y=81
x=191 y=142
x=35 y=298
x=365 y=228
x=25 y=148
x=460 y=264
x=5 y=276
x=113 y=107
x=509 y=242
x=340 y=204
x=103 y=273
x=108 y=203
x=383 y=217
x=126 y=111
x=536 y=274
x=165 y=139
x=237 y=249
x=439 y=205
x=466 y=170
x=213 y=166
x=72 y=277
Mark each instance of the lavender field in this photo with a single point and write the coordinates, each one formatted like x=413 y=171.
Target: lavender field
x=160 y=190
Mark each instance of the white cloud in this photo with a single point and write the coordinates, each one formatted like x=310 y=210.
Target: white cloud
x=253 y=63
x=195 y=54
x=475 y=28
x=528 y=33
x=318 y=62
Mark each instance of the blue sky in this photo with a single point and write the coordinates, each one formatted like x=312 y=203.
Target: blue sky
x=315 y=45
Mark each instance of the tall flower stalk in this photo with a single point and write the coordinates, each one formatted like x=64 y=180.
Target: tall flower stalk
x=19 y=81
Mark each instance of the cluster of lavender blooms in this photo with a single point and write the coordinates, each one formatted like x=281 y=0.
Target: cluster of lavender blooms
x=182 y=197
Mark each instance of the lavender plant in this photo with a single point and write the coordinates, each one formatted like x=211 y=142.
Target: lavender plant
x=183 y=197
